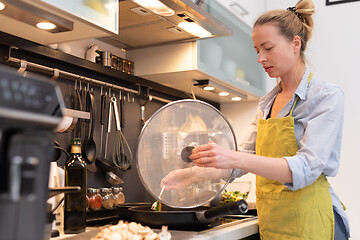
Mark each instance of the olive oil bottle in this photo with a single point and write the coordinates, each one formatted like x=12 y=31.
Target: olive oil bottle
x=75 y=203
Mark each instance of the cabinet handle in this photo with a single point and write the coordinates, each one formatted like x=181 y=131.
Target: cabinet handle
x=236 y=5
x=243 y=81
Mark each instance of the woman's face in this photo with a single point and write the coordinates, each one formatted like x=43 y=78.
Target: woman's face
x=276 y=53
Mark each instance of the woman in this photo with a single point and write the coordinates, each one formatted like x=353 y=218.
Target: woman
x=296 y=136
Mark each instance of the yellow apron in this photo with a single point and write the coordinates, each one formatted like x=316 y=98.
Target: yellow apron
x=285 y=214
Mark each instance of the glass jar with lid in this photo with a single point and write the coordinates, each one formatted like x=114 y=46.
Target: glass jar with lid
x=94 y=198
x=107 y=198
x=119 y=197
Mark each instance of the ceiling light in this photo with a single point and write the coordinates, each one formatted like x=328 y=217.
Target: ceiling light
x=195 y=29
x=223 y=94
x=221 y=89
x=208 y=88
x=156 y=6
x=2 y=6
x=32 y=16
x=45 y=25
x=236 y=99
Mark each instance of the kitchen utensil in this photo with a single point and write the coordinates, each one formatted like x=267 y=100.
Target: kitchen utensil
x=143 y=101
x=90 y=146
x=78 y=106
x=113 y=179
x=122 y=155
x=108 y=126
x=152 y=167
x=105 y=164
x=176 y=218
x=122 y=115
x=57 y=151
x=102 y=115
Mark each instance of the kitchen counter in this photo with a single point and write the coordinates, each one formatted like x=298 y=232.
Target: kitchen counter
x=230 y=231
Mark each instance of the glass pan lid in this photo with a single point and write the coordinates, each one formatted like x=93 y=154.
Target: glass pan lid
x=175 y=127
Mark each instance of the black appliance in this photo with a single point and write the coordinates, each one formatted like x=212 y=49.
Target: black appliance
x=30 y=109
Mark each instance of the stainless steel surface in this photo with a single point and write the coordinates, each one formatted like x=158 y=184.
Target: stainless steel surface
x=136 y=31
x=231 y=231
x=172 y=128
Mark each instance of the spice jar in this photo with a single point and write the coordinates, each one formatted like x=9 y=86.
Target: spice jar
x=119 y=197
x=95 y=198
x=107 y=198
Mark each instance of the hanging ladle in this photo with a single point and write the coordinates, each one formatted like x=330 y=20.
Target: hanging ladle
x=90 y=145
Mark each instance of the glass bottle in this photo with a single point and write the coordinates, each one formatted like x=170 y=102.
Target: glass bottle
x=75 y=203
x=95 y=198
x=119 y=197
x=107 y=199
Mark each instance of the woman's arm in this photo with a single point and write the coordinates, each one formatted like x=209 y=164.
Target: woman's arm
x=214 y=155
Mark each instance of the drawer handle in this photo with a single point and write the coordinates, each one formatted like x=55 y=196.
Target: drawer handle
x=237 y=6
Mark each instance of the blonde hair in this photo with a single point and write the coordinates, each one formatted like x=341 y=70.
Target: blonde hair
x=295 y=21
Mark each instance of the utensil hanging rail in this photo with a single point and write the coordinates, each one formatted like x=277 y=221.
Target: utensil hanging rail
x=56 y=73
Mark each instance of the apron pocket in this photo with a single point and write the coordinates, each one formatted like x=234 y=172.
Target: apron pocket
x=277 y=214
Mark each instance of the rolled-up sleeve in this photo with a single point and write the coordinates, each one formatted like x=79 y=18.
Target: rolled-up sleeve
x=248 y=144
x=319 y=147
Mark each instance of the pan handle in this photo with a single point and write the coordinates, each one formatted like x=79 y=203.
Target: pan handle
x=239 y=207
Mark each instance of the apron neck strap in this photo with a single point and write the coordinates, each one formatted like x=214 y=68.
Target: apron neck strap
x=297 y=97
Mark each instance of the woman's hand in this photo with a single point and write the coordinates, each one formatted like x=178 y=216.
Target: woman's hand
x=178 y=179
x=214 y=155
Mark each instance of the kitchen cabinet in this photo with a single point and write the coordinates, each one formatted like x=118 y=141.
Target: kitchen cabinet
x=238 y=61
x=229 y=62
x=246 y=10
x=19 y=18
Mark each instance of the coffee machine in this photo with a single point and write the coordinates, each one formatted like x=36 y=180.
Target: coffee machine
x=30 y=109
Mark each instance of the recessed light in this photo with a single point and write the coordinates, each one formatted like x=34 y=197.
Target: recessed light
x=209 y=88
x=195 y=29
x=2 y=6
x=45 y=25
x=236 y=99
x=223 y=94
x=156 y=6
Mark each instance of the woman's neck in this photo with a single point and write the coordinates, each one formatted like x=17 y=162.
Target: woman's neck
x=291 y=80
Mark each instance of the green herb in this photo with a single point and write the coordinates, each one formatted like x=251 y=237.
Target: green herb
x=232 y=196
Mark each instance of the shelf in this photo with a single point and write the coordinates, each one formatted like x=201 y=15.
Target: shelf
x=46 y=56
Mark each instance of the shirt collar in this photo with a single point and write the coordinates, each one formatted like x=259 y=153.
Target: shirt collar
x=300 y=91
x=302 y=88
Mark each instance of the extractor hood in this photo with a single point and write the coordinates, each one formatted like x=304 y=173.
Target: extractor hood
x=141 y=27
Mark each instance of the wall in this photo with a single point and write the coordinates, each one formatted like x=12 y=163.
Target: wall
x=333 y=56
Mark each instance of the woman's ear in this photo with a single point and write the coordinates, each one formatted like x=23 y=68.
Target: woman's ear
x=296 y=44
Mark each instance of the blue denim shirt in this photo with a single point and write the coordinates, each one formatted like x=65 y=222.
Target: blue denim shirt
x=318 y=117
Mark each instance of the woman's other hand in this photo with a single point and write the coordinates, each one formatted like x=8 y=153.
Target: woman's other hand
x=178 y=179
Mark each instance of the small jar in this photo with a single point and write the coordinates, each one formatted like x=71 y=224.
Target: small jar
x=119 y=197
x=95 y=198
x=107 y=198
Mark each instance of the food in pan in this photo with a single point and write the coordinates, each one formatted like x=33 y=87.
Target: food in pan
x=232 y=196
x=156 y=206
x=129 y=231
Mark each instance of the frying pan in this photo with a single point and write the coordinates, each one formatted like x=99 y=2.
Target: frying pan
x=124 y=213
x=177 y=218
